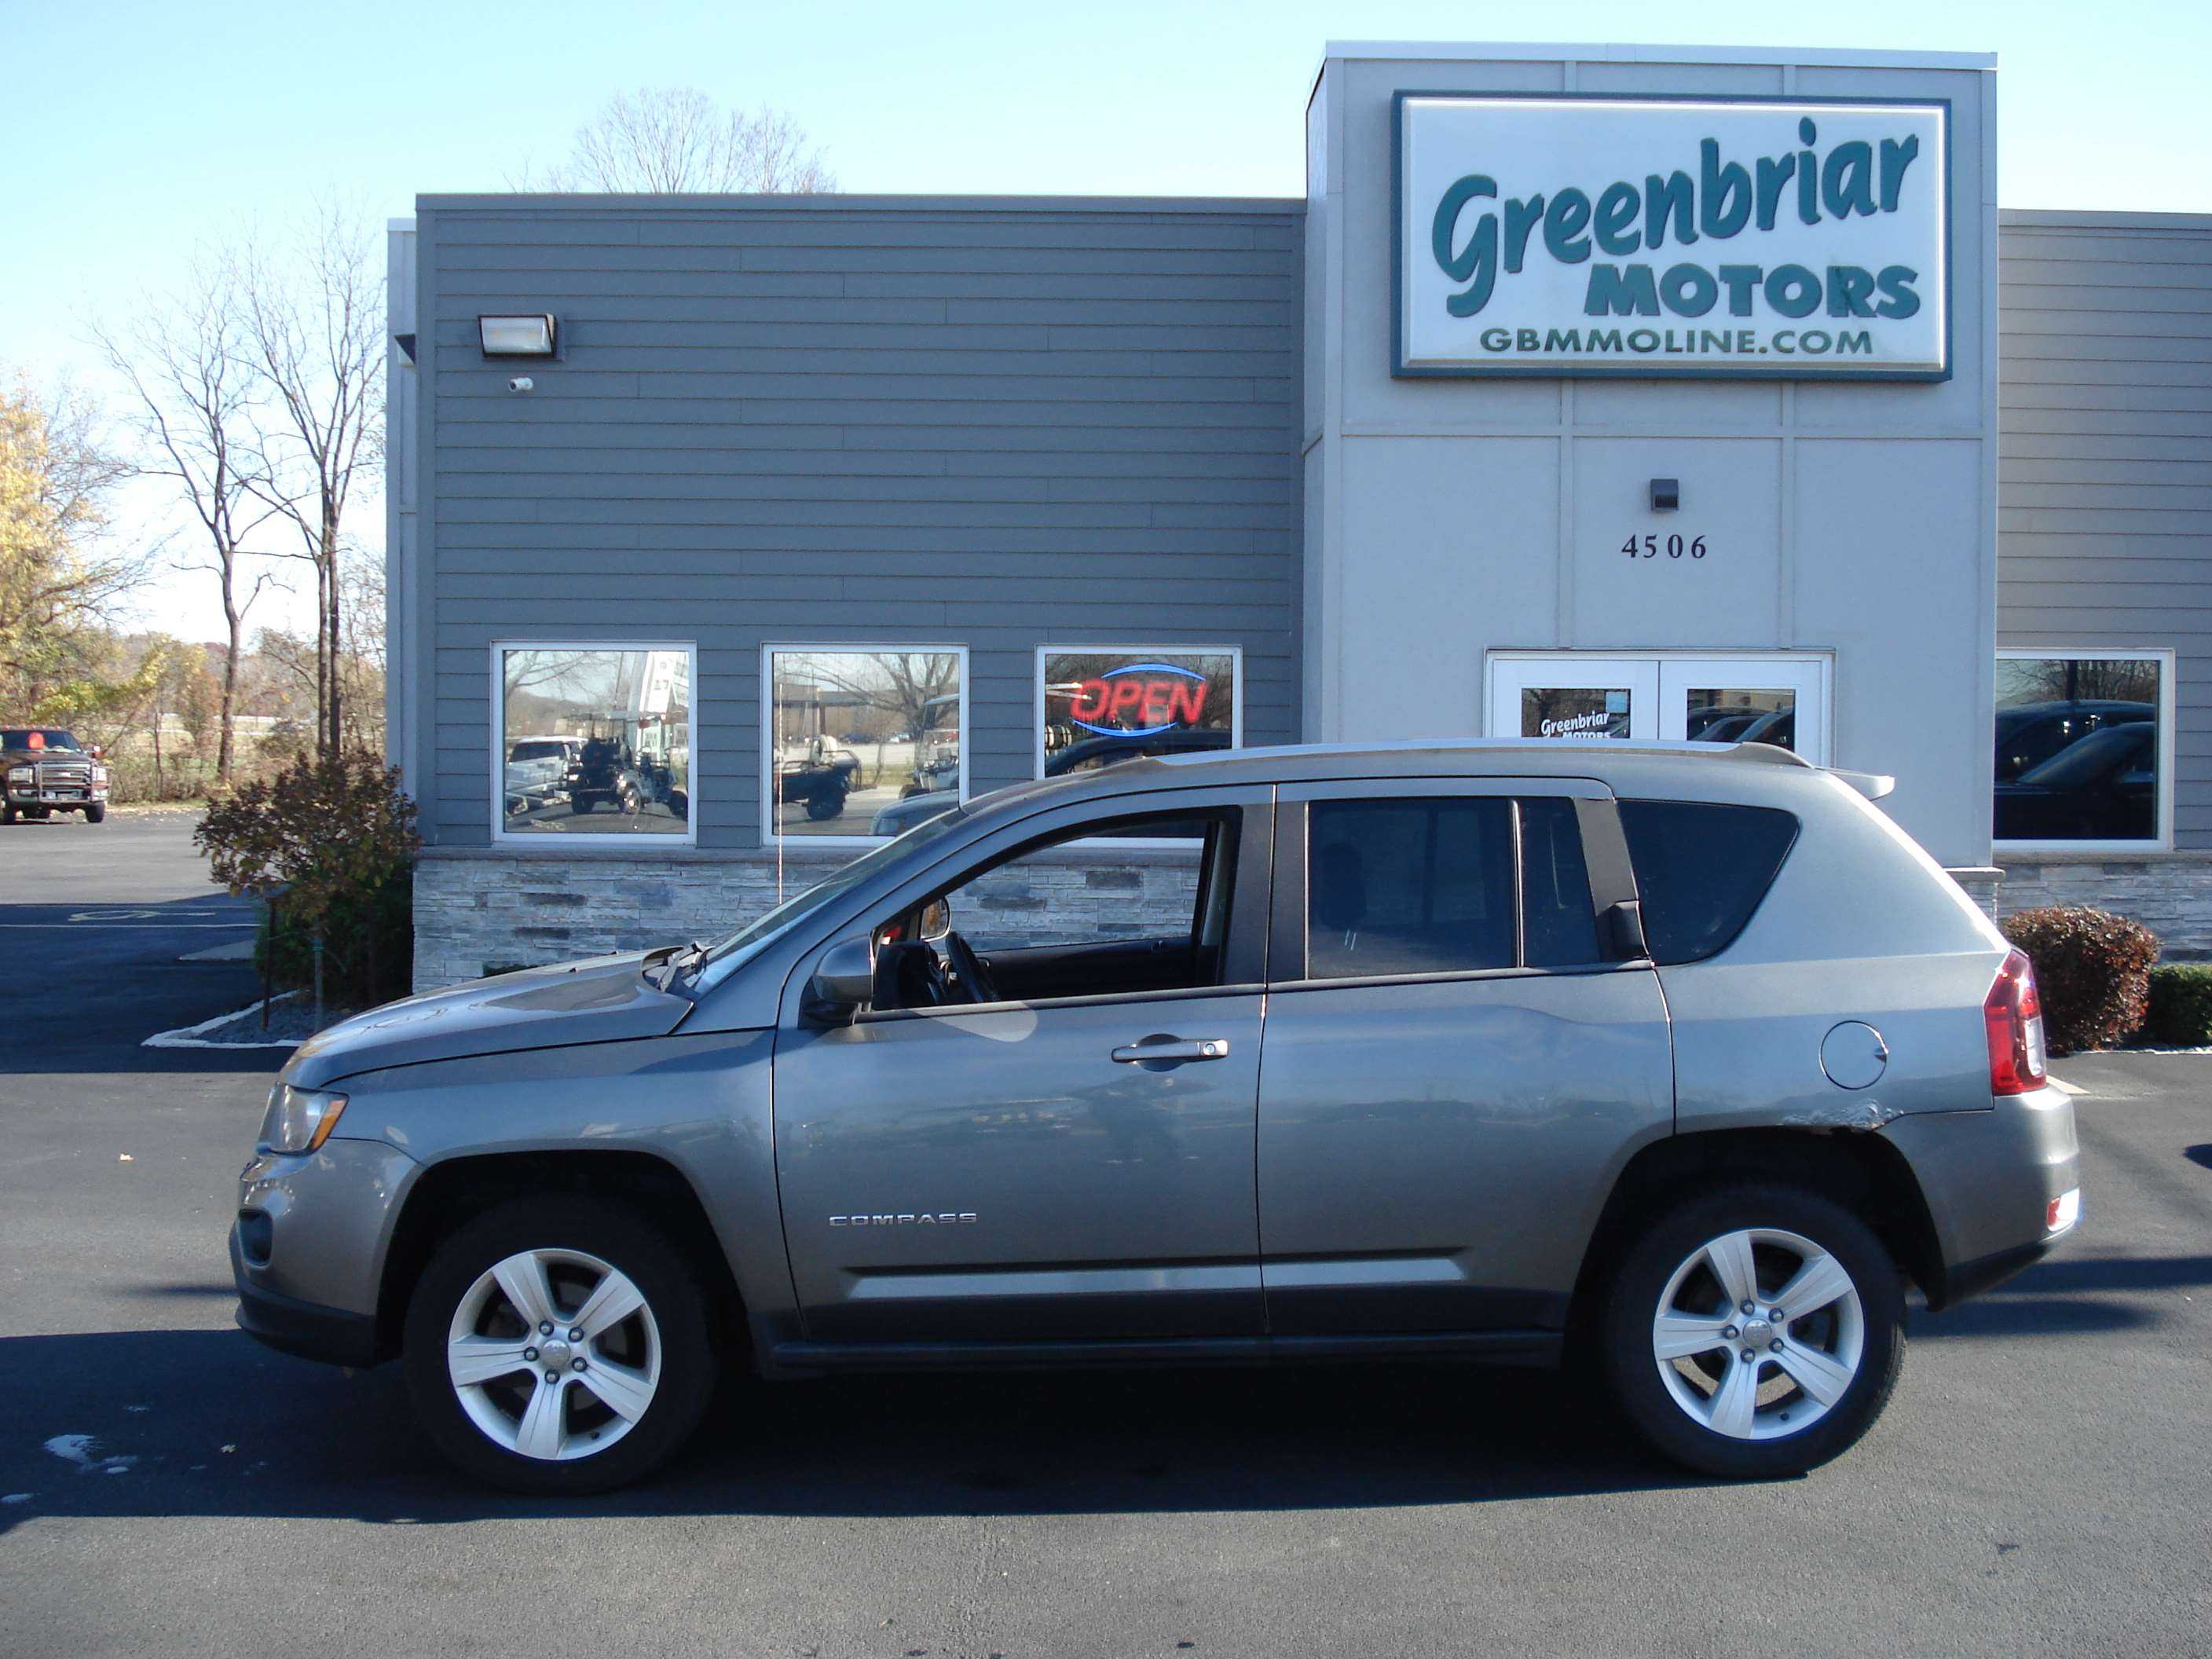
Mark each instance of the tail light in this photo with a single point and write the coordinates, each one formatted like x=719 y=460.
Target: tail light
x=2012 y=1012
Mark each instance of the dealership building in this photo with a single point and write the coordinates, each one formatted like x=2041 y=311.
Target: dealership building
x=1588 y=393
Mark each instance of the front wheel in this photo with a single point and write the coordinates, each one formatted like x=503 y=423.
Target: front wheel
x=823 y=807
x=558 y=1345
x=96 y=813
x=1754 y=1333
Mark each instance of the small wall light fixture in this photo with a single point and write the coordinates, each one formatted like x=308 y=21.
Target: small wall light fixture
x=517 y=336
x=1666 y=495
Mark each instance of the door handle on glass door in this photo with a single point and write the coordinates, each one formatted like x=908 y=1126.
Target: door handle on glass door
x=1153 y=1050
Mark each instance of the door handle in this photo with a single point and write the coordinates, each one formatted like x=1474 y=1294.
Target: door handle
x=1151 y=1050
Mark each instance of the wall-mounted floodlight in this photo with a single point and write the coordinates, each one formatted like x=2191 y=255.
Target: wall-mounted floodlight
x=517 y=336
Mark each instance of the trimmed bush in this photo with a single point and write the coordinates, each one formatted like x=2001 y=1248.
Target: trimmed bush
x=359 y=970
x=2093 y=969
x=2180 y=1006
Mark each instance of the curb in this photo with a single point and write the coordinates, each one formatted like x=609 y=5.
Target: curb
x=188 y=1036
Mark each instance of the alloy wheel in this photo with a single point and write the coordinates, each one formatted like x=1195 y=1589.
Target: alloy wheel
x=1758 y=1334
x=554 y=1354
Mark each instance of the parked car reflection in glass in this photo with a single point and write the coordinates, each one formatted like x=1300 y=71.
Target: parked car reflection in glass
x=2101 y=787
x=2031 y=733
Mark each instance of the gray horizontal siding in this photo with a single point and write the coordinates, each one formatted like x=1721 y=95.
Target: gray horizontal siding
x=2105 y=479
x=852 y=421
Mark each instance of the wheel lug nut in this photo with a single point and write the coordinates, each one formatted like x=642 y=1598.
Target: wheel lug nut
x=1729 y=1331
x=1748 y=1356
x=1774 y=1315
x=1774 y=1347
x=545 y=1328
x=530 y=1353
x=1750 y=1308
x=576 y=1334
x=554 y=1376
x=577 y=1363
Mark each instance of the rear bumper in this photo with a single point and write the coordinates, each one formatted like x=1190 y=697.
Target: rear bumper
x=303 y=1329
x=1990 y=1178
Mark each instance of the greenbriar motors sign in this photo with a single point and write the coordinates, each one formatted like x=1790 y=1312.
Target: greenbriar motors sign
x=1785 y=237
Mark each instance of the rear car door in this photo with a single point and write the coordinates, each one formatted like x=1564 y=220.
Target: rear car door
x=1022 y=1169
x=1464 y=1046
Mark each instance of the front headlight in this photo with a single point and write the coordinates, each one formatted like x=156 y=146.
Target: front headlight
x=19 y=774
x=299 y=1120
x=99 y=776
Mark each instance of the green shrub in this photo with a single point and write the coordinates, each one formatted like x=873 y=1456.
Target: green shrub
x=2180 y=1006
x=359 y=971
x=2093 y=969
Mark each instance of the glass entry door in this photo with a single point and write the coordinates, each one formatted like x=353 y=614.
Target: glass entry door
x=1781 y=699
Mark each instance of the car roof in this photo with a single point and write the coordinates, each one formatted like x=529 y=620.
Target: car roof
x=1651 y=769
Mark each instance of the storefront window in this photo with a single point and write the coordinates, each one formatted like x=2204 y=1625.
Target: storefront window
x=1741 y=715
x=594 y=740
x=1098 y=706
x=2079 y=740
x=864 y=743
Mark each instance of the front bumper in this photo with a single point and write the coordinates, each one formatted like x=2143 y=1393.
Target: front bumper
x=1990 y=1180
x=306 y=1250
x=303 y=1329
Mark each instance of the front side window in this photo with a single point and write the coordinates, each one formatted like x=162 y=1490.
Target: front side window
x=863 y=743
x=1099 y=707
x=2080 y=738
x=592 y=740
x=1122 y=907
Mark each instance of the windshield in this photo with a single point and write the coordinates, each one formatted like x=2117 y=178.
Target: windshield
x=726 y=956
x=523 y=751
x=35 y=737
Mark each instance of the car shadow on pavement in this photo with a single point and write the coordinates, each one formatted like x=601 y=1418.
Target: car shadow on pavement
x=200 y=1422
x=2053 y=1298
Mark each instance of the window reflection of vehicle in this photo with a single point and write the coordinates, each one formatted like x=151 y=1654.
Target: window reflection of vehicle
x=2103 y=787
x=901 y=815
x=1778 y=728
x=1095 y=752
x=2030 y=733
x=819 y=779
x=1724 y=724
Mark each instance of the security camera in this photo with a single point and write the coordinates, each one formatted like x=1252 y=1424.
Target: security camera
x=521 y=383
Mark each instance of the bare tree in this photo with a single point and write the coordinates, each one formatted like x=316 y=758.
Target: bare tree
x=665 y=140
x=185 y=363
x=313 y=327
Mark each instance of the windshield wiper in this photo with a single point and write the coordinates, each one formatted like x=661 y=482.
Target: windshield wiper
x=675 y=959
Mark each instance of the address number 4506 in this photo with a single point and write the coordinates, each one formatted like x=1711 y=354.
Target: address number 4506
x=1675 y=547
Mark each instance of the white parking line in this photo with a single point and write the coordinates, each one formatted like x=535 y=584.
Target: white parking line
x=2061 y=1083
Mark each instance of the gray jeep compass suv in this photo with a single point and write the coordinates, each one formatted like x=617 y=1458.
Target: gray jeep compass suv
x=1678 y=1061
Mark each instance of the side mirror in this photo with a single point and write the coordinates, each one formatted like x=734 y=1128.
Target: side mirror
x=936 y=920
x=1623 y=925
x=844 y=979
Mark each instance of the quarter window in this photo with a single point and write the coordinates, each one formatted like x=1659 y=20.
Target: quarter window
x=1701 y=869
x=863 y=742
x=592 y=740
x=2080 y=743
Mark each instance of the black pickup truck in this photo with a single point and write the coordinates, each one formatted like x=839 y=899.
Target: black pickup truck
x=44 y=770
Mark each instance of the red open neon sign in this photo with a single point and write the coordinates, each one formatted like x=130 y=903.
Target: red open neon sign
x=1143 y=697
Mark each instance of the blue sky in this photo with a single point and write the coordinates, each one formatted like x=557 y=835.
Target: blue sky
x=134 y=131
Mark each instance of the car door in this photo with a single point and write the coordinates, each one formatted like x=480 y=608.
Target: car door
x=1024 y=1169
x=1464 y=1046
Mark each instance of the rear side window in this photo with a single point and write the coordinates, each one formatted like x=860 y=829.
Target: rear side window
x=1701 y=869
x=1409 y=886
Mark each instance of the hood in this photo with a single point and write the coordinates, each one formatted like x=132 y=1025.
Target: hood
x=602 y=1000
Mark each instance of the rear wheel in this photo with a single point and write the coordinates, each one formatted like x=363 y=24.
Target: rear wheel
x=558 y=1345
x=1754 y=1333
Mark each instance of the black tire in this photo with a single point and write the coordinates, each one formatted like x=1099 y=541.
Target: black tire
x=1669 y=1239
x=96 y=813
x=38 y=814
x=616 y=1235
x=580 y=803
x=7 y=814
x=827 y=805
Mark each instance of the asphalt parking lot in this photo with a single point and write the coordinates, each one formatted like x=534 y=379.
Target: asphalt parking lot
x=2039 y=1485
